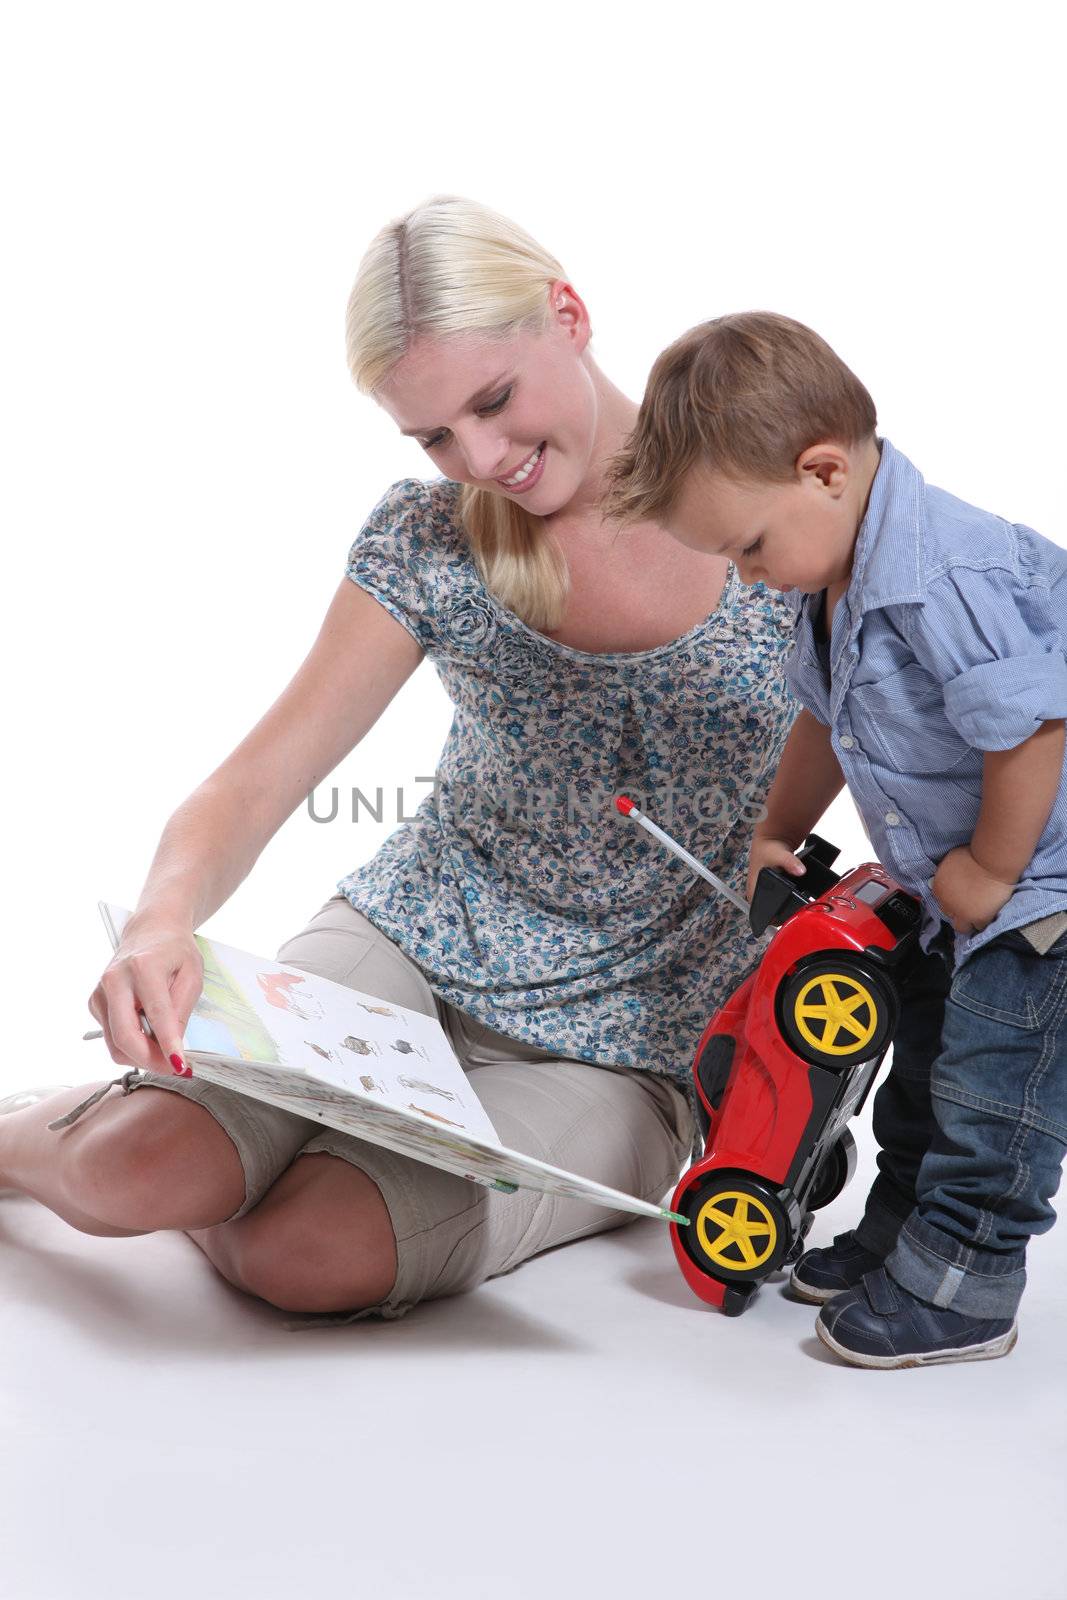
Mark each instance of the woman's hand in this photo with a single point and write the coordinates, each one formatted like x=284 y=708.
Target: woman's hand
x=770 y=851
x=969 y=896
x=156 y=969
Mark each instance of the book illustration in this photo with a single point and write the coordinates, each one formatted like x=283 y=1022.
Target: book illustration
x=362 y=1047
x=428 y=1088
x=327 y=1055
x=436 y=1115
x=369 y=1084
x=222 y=1019
x=302 y=1011
x=404 y=1047
x=287 y=991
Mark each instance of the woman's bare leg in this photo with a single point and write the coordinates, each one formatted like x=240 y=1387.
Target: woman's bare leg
x=321 y=1239
x=131 y=1164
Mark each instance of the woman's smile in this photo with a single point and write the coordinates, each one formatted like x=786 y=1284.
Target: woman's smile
x=526 y=475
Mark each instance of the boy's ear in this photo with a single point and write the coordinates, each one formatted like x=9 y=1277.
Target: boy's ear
x=826 y=462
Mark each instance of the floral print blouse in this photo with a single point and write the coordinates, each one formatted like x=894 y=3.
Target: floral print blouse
x=524 y=896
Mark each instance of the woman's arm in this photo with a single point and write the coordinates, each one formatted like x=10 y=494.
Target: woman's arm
x=359 y=661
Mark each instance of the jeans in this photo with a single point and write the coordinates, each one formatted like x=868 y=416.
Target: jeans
x=971 y=1123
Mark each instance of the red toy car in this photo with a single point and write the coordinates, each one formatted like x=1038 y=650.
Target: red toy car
x=784 y=1065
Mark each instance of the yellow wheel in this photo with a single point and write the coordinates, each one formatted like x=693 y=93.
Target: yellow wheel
x=835 y=1012
x=738 y=1227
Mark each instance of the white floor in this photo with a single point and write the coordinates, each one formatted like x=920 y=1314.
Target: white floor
x=581 y=1427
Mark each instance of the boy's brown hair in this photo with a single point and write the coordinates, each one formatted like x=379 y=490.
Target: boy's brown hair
x=744 y=395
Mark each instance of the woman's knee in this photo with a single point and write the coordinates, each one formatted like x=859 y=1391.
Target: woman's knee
x=319 y=1240
x=154 y=1159
x=341 y=944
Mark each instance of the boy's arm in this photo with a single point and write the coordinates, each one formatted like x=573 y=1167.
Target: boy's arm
x=1019 y=788
x=990 y=634
x=808 y=779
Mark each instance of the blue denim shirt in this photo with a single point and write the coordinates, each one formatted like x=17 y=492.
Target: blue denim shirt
x=949 y=641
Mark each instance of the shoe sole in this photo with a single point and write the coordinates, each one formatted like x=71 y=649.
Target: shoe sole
x=810 y=1295
x=930 y=1358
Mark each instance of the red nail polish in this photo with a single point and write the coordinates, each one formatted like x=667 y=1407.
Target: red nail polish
x=180 y=1068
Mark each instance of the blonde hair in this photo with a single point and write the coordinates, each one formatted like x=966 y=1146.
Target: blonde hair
x=451 y=267
x=744 y=395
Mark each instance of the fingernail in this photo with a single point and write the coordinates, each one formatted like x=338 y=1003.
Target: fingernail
x=180 y=1068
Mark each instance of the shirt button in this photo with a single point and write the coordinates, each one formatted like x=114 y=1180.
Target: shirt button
x=892 y=818
x=847 y=741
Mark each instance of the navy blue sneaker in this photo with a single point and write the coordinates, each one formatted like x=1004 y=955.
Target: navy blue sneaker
x=831 y=1269
x=880 y=1324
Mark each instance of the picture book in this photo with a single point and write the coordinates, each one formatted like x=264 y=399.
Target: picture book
x=351 y=1061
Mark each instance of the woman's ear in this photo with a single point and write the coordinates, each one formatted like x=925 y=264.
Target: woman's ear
x=569 y=312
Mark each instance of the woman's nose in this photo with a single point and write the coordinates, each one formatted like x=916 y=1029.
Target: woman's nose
x=486 y=454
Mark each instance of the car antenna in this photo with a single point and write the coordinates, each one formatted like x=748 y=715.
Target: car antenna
x=628 y=809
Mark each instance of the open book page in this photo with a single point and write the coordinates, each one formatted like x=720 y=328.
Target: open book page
x=370 y=1068
x=257 y=1010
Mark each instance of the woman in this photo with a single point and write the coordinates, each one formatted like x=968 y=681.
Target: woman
x=572 y=964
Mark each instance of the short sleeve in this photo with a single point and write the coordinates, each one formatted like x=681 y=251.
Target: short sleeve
x=993 y=642
x=392 y=557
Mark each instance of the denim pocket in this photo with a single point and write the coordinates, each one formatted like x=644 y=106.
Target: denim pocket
x=1007 y=981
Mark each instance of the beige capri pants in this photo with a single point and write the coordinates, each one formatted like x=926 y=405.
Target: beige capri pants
x=627 y=1128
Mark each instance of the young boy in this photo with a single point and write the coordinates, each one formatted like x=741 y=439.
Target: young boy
x=929 y=661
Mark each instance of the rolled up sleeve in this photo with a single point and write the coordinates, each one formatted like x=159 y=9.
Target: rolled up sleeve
x=994 y=644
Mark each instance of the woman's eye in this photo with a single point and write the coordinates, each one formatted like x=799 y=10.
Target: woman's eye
x=498 y=405
x=753 y=547
x=490 y=410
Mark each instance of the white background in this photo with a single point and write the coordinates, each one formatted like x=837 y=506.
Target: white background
x=189 y=192
x=186 y=195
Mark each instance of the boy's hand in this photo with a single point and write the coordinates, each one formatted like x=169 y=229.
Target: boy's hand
x=969 y=896
x=767 y=851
